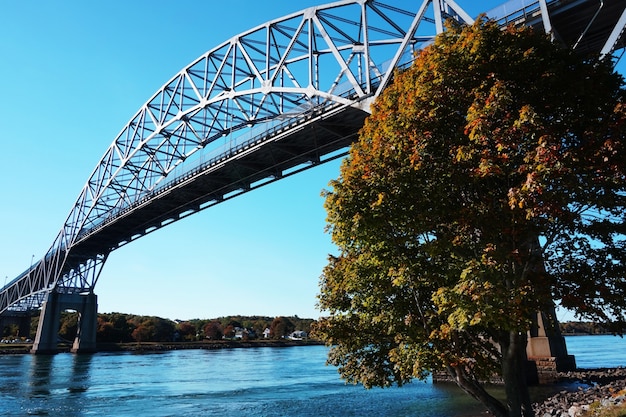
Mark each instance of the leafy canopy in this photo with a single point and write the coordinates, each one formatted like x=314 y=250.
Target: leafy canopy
x=488 y=182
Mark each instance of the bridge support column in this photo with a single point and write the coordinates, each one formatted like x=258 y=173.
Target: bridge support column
x=85 y=341
x=47 y=337
x=546 y=350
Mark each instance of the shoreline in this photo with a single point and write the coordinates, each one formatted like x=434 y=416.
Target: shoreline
x=604 y=387
x=24 y=348
x=576 y=392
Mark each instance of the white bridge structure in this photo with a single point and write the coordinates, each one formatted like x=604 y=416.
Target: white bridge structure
x=280 y=98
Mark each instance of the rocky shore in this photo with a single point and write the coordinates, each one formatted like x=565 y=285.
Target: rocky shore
x=596 y=388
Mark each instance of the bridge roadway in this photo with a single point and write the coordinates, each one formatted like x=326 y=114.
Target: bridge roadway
x=296 y=144
x=138 y=188
x=285 y=150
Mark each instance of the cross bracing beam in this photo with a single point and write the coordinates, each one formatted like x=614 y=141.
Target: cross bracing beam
x=280 y=98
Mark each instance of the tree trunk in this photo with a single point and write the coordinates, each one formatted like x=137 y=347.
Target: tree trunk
x=513 y=345
x=518 y=404
x=477 y=391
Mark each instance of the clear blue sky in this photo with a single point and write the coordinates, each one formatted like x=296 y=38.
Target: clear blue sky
x=72 y=74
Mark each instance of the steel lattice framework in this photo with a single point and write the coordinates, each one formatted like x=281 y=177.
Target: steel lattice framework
x=251 y=93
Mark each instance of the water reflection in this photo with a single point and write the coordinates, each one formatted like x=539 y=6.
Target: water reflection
x=40 y=372
x=79 y=382
x=57 y=385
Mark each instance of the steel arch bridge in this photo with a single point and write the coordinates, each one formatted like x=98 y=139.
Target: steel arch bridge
x=270 y=102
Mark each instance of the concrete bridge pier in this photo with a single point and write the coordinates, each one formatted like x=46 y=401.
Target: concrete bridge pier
x=546 y=350
x=85 y=341
x=46 y=340
x=86 y=305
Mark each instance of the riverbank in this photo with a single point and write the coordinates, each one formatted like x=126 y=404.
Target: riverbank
x=595 y=388
x=207 y=345
x=22 y=348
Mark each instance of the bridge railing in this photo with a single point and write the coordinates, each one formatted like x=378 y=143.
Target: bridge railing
x=516 y=11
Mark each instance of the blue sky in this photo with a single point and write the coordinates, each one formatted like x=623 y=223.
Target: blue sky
x=72 y=74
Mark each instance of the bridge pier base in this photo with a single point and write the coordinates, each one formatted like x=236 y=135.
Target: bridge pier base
x=46 y=340
x=85 y=341
x=546 y=350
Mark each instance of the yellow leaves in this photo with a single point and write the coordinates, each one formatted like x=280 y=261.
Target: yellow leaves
x=379 y=200
x=465 y=153
x=487 y=168
x=442 y=332
x=399 y=276
x=486 y=257
x=527 y=117
x=458 y=319
x=478 y=316
x=529 y=52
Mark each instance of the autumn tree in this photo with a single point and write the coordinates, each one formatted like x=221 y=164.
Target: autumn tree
x=487 y=183
x=186 y=330
x=213 y=330
x=152 y=329
x=68 y=325
x=114 y=328
x=10 y=330
x=280 y=327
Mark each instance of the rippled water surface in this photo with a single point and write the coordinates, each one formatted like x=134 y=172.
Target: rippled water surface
x=597 y=351
x=231 y=382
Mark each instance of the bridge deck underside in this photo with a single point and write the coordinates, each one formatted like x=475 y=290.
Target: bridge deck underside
x=301 y=147
x=572 y=18
x=571 y=22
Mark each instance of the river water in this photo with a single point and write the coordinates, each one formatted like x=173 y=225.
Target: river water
x=264 y=382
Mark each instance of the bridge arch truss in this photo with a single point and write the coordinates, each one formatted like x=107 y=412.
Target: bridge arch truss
x=252 y=109
x=260 y=85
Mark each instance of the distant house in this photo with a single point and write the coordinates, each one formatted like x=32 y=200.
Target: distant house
x=298 y=335
x=243 y=333
x=266 y=333
x=239 y=333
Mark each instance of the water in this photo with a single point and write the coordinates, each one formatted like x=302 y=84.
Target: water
x=597 y=351
x=232 y=382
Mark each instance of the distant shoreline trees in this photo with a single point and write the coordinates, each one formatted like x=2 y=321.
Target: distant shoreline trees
x=118 y=327
x=128 y=328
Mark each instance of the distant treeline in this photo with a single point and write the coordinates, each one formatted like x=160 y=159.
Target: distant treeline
x=119 y=327
x=125 y=328
x=128 y=328
x=582 y=327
